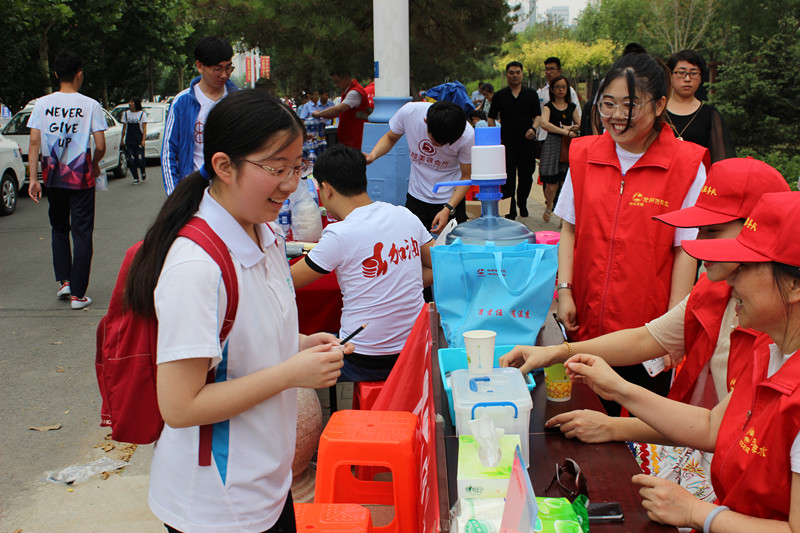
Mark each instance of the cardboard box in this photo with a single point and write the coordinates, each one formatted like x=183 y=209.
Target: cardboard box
x=477 y=481
x=474 y=208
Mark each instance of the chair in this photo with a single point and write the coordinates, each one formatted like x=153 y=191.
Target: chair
x=365 y=393
x=371 y=438
x=332 y=518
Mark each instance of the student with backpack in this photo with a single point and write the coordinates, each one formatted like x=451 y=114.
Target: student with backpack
x=252 y=159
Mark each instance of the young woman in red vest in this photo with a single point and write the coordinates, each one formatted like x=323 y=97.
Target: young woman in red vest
x=754 y=429
x=701 y=330
x=617 y=267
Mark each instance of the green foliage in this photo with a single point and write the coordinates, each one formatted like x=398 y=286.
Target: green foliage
x=787 y=164
x=620 y=21
x=759 y=91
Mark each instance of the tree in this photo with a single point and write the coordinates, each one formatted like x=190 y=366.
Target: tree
x=680 y=24
x=620 y=21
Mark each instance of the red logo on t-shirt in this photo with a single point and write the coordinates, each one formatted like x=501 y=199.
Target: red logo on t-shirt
x=427 y=147
x=374 y=266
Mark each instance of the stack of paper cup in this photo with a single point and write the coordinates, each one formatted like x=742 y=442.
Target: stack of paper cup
x=479 y=344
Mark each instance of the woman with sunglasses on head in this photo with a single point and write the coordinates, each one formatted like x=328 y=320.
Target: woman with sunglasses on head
x=701 y=330
x=618 y=268
x=755 y=430
x=560 y=119
x=253 y=150
x=690 y=119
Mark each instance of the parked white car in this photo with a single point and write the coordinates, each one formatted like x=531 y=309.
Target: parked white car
x=12 y=175
x=156 y=120
x=114 y=160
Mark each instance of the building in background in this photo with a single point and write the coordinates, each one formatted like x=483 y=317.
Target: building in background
x=526 y=14
x=560 y=14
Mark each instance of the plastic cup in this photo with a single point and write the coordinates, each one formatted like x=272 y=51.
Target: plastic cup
x=480 y=351
x=557 y=386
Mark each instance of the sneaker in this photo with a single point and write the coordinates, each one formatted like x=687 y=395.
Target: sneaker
x=80 y=303
x=136 y=182
x=64 y=293
x=144 y=176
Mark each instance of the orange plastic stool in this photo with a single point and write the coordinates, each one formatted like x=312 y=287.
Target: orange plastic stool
x=332 y=518
x=365 y=394
x=371 y=438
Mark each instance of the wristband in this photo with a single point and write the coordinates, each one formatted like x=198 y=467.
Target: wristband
x=564 y=285
x=569 y=348
x=712 y=515
x=451 y=208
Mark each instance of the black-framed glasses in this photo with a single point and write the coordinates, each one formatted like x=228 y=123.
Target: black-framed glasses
x=283 y=173
x=681 y=74
x=217 y=70
x=570 y=479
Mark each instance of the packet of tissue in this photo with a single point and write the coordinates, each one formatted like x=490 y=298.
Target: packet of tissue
x=484 y=469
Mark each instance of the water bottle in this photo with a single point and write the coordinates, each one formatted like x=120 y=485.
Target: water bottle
x=285 y=220
x=309 y=168
x=312 y=188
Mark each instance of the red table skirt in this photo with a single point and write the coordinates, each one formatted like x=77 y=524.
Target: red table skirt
x=319 y=304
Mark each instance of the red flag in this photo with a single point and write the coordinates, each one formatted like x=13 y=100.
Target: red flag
x=410 y=388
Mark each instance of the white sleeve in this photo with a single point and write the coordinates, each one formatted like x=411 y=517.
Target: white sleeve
x=794 y=454
x=352 y=99
x=575 y=99
x=397 y=124
x=143 y=118
x=98 y=118
x=689 y=234
x=465 y=151
x=124 y=118
x=565 y=208
x=327 y=254
x=35 y=120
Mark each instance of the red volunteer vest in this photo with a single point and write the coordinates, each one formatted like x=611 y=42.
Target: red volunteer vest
x=751 y=471
x=351 y=122
x=622 y=264
x=704 y=312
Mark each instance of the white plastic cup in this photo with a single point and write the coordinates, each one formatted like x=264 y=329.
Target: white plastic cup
x=480 y=351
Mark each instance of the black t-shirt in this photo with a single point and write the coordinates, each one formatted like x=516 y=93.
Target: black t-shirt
x=561 y=118
x=516 y=114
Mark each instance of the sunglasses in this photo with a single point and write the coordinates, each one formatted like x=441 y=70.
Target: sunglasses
x=572 y=487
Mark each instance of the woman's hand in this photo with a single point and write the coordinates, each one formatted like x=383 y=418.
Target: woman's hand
x=667 y=502
x=316 y=339
x=595 y=372
x=586 y=425
x=316 y=367
x=567 y=311
x=528 y=358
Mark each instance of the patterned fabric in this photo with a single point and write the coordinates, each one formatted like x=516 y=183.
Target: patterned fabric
x=685 y=466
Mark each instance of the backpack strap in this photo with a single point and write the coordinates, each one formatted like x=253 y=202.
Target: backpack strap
x=201 y=233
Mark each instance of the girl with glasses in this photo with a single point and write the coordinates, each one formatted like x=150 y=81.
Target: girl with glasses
x=618 y=268
x=755 y=430
x=252 y=402
x=690 y=119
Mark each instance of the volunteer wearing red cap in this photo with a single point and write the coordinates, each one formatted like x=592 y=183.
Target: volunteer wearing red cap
x=702 y=328
x=754 y=429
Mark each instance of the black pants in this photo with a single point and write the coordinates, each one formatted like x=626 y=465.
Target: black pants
x=72 y=212
x=136 y=161
x=427 y=212
x=285 y=522
x=520 y=164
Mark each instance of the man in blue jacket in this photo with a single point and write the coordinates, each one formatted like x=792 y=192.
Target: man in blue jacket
x=182 y=152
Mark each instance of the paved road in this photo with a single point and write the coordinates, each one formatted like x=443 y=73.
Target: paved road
x=47 y=354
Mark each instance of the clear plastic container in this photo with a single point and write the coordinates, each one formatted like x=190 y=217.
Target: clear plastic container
x=491 y=227
x=503 y=395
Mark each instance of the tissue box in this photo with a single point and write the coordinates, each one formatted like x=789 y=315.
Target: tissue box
x=477 y=481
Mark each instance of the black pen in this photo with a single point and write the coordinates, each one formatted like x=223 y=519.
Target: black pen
x=356 y=332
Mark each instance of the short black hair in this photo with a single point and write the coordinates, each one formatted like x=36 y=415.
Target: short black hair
x=634 y=48
x=213 y=50
x=555 y=60
x=488 y=87
x=324 y=91
x=340 y=72
x=446 y=122
x=514 y=64
x=690 y=56
x=343 y=168
x=66 y=65
x=137 y=103
x=475 y=113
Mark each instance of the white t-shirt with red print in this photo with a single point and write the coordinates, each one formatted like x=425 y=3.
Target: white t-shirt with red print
x=375 y=252
x=430 y=164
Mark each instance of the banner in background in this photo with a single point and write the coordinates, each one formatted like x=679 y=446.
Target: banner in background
x=265 y=67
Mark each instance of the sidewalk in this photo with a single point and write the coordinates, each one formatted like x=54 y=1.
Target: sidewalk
x=119 y=504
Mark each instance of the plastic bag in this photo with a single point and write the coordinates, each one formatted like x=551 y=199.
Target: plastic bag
x=101 y=182
x=80 y=473
x=306 y=218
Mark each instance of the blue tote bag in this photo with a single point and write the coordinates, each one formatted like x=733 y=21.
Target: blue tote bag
x=507 y=289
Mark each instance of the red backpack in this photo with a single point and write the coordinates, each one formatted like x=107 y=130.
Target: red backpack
x=126 y=351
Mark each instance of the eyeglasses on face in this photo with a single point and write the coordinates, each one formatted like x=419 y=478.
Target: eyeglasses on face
x=283 y=173
x=551 y=69
x=217 y=70
x=573 y=487
x=607 y=106
x=682 y=73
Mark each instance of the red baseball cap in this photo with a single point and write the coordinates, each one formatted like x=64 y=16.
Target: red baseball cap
x=731 y=191
x=769 y=234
